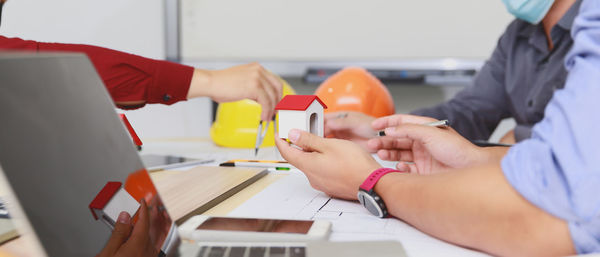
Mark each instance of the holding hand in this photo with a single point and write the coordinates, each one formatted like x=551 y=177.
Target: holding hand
x=127 y=240
x=424 y=149
x=353 y=126
x=336 y=167
x=248 y=81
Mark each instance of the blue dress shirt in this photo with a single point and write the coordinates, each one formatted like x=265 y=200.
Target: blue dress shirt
x=558 y=168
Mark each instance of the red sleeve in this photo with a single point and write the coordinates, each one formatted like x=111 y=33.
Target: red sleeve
x=127 y=77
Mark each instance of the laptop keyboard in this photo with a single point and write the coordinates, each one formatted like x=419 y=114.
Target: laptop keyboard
x=252 y=251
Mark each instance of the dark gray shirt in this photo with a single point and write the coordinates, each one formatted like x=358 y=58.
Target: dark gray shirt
x=517 y=81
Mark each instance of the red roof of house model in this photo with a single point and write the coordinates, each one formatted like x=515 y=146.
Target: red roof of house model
x=104 y=196
x=297 y=102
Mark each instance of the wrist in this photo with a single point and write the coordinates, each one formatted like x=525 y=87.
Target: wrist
x=201 y=84
x=369 y=197
x=386 y=184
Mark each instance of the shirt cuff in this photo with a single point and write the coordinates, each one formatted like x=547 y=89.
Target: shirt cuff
x=171 y=84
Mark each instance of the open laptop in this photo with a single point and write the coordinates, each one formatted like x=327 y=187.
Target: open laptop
x=62 y=145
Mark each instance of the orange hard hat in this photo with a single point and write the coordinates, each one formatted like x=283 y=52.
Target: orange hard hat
x=355 y=89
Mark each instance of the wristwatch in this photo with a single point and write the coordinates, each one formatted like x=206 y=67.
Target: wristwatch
x=367 y=196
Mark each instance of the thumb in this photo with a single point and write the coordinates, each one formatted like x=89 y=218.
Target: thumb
x=119 y=235
x=307 y=141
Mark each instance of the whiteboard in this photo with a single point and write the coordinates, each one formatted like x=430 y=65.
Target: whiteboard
x=339 y=30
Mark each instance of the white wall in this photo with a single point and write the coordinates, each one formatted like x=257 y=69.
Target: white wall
x=228 y=30
x=134 y=26
x=309 y=30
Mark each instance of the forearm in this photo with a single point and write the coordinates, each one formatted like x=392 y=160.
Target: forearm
x=131 y=80
x=476 y=208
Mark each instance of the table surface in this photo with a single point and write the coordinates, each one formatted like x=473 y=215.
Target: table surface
x=288 y=195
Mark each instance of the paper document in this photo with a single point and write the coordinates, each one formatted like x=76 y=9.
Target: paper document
x=292 y=197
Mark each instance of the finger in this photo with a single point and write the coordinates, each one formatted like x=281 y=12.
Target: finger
x=271 y=93
x=402 y=166
x=384 y=155
x=416 y=132
x=266 y=104
x=395 y=155
x=140 y=236
x=389 y=143
x=291 y=154
x=307 y=141
x=119 y=234
x=399 y=119
x=407 y=167
x=332 y=116
x=275 y=82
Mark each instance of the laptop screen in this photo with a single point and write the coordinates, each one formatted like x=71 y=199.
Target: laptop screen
x=61 y=145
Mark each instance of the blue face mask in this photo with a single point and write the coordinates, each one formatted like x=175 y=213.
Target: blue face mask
x=532 y=11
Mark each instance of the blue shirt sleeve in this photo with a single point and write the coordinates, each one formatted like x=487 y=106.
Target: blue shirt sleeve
x=558 y=169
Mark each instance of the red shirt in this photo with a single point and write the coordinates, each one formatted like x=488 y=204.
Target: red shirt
x=127 y=77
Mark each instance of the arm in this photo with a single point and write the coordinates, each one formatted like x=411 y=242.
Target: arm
x=477 y=208
x=473 y=206
x=476 y=111
x=557 y=169
x=133 y=81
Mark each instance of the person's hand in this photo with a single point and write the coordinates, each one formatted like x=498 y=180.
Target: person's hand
x=336 y=167
x=248 y=81
x=353 y=126
x=393 y=121
x=127 y=240
x=424 y=149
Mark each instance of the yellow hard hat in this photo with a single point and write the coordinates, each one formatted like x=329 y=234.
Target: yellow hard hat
x=236 y=123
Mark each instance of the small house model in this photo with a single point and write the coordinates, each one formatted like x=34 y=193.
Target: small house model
x=304 y=112
x=111 y=201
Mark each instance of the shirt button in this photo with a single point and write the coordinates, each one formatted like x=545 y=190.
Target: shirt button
x=530 y=103
x=166 y=97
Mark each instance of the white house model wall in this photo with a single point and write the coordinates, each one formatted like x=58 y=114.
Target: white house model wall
x=290 y=119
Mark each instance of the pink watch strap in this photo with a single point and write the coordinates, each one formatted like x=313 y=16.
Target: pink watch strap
x=374 y=177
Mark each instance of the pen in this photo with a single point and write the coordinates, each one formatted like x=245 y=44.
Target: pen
x=439 y=124
x=277 y=165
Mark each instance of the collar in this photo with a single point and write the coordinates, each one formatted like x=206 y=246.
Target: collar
x=536 y=35
x=566 y=22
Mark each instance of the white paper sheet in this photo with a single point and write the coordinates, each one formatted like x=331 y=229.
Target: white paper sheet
x=292 y=197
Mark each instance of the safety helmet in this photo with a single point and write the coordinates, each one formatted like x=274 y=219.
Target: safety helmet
x=356 y=89
x=236 y=123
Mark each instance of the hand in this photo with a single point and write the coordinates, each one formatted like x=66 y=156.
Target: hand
x=425 y=149
x=127 y=240
x=396 y=120
x=336 y=167
x=353 y=126
x=248 y=81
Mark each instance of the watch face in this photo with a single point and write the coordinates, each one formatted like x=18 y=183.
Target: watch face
x=368 y=202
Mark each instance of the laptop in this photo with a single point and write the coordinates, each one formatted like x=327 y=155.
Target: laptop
x=63 y=148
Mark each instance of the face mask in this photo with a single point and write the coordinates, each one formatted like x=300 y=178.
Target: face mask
x=532 y=11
